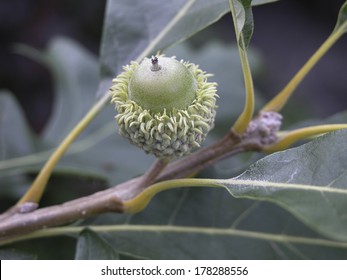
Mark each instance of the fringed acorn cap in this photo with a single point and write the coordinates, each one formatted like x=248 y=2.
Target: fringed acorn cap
x=165 y=106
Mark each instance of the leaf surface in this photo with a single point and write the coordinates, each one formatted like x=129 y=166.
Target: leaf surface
x=90 y=246
x=243 y=21
x=132 y=26
x=16 y=140
x=309 y=181
x=342 y=18
x=207 y=224
x=75 y=72
x=16 y=136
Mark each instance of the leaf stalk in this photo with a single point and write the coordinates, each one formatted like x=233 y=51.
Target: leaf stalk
x=299 y=134
x=279 y=101
x=246 y=116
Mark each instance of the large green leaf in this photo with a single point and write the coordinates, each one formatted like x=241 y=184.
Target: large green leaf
x=129 y=28
x=309 y=181
x=16 y=140
x=90 y=246
x=207 y=224
x=132 y=26
x=75 y=73
x=76 y=80
x=16 y=137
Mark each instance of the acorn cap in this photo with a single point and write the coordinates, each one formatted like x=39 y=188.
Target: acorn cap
x=165 y=106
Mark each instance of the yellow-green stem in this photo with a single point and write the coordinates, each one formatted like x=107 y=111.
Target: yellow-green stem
x=139 y=202
x=246 y=116
x=278 y=102
x=302 y=133
x=36 y=190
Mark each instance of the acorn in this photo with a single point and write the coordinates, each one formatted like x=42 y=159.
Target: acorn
x=165 y=106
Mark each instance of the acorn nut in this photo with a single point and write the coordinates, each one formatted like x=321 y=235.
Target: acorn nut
x=165 y=106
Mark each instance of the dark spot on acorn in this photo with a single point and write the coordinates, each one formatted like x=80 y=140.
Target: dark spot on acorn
x=155 y=65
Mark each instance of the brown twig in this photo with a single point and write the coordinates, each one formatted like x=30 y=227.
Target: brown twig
x=111 y=200
x=152 y=173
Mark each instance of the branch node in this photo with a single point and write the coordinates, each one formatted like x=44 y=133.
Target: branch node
x=27 y=207
x=264 y=128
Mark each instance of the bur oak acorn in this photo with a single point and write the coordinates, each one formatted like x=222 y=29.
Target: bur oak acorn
x=165 y=106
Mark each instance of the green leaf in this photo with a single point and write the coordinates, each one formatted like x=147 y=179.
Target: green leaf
x=207 y=224
x=90 y=246
x=134 y=26
x=342 y=19
x=309 y=181
x=130 y=26
x=16 y=137
x=16 y=140
x=75 y=72
x=243 y=21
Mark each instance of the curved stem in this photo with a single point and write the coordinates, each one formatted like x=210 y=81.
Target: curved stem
x=246 y=116
x=139 y=202
x=298 y=134
x=36 y=190
x=278 y=102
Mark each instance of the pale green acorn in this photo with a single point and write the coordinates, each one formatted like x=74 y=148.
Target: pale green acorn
x=165 y=106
